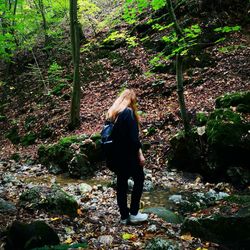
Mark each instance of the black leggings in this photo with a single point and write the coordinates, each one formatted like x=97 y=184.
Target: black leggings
x=122 y=189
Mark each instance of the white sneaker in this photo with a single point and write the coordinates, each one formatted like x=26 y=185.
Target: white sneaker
x=124 y=222
x=140 y=217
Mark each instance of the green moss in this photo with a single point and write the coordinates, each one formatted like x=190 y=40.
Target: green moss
x=243 y=108
x=28 y=139
x=67 y=141
x=233 y=99
x=224 y=126
x=201 y=119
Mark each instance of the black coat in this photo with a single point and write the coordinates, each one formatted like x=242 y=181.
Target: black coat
x=126 y=141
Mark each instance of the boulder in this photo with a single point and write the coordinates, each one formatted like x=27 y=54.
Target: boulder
x=53 y=200
x=225 y=226
x=165 y=214
x=75 y=154
x=21 y=236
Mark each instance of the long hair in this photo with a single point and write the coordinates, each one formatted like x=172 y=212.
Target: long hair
x=126 y=99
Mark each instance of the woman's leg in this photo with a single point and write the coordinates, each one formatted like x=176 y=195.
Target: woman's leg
x=122 y=189
x=138 y=177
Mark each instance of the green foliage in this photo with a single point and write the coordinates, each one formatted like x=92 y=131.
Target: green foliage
x=57 y=90
x=131 y=41
x=229 y=49
x=28 y=139
x=227 y=29
x=233 y=99
x=63 y=247
x=201 y=118
x=224 y=127
x=55 y=73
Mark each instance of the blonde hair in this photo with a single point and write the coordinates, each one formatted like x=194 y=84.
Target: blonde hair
x=126 y=99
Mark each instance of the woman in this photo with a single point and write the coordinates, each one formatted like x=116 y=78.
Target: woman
x=128 y=155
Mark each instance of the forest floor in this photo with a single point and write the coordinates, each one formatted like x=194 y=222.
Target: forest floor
x=159 y=105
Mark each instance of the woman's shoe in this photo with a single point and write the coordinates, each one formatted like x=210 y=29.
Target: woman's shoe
x=140 y=217
x=124 y=222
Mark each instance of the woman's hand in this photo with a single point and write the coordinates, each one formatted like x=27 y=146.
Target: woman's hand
x=141 y=158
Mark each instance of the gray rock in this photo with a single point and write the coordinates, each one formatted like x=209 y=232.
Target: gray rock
x=106 y=240
x=165 y=214
x=7 y=207
x=52 y=199
x=84 y=188
x=176 y=198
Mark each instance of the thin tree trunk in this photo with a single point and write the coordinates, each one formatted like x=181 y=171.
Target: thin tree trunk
x=180 y=90
x=75 y=39
x=45 y=26
x=179 y=73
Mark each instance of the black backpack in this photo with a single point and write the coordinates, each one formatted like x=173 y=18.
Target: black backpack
x=108 y=144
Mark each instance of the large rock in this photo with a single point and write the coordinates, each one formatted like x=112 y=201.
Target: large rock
x=53 y=200
x=219 y=149
x=21 y=236
x=165 y=214
x=75 y=154
x=224 y=227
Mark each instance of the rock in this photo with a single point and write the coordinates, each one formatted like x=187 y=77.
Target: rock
x=52 y=199
x=161 y=244
x=7 y=207
x=176 y=198
x=29 y=236
x=148 y=186
x=73 y=154
x=84 y=188
x=165 y=214
x=79 y=166
x=228 y=228
x=152 y=229
x=106 y=240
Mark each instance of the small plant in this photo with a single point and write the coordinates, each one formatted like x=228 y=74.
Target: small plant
x=55 y=73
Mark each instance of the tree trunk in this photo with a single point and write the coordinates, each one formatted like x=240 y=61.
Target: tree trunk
x=75 y=40
x=179 y=73
x=45 y=26
x=180 y=90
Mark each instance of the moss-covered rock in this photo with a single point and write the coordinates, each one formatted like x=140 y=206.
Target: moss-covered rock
x=228 y=140
x=233 y=99
x=165 y=214
x=53 y=200
x=75 y=154
x=228 y=230
x=185 y=152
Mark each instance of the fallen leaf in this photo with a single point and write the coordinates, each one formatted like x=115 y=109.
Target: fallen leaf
x=128 y=236
x=187 y=237
x=68 y=241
